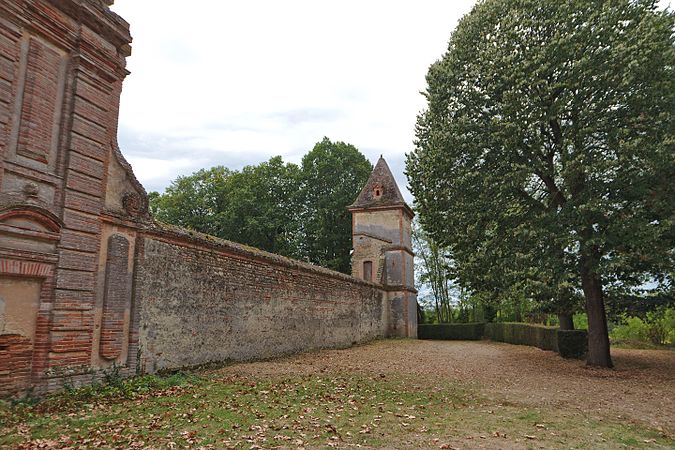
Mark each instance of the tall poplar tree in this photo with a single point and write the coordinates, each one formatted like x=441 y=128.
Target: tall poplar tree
x=546 y=151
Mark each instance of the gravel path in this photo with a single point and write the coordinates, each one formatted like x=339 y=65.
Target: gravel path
x=641 y=388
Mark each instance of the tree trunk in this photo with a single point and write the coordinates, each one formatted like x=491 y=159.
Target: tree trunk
x=598 y=336
x=566 y=322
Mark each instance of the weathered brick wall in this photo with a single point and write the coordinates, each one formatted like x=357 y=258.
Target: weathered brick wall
x=211 y=300
x=62 y=188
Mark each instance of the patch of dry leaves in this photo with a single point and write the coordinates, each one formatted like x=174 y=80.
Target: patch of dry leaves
x=639 y=389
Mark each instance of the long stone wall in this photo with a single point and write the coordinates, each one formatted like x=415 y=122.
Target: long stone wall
x=212 y=300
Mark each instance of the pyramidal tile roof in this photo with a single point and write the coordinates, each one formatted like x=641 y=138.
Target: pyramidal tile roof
x=380 y=190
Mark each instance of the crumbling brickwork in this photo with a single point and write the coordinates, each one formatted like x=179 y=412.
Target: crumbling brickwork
x=216 y=301
x=116 y=297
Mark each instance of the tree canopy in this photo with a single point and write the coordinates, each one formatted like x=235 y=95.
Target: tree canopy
x=333 y=174
x=544 y=160
x=300 y=212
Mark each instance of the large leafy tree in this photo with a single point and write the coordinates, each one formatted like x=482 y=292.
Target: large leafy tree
x=294 y=211
x=194 y=201
x=546 y=153
x=333 y=174
x=261 y=209
x=255 y=206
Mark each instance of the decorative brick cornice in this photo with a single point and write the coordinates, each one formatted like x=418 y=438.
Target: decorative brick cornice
x=372 y=236
x=400 y=288
x=397 y=247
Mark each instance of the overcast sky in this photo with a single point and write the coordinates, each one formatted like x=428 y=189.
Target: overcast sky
x=236 y=82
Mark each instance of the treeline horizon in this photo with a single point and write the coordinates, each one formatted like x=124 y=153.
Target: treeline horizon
x=298 y=211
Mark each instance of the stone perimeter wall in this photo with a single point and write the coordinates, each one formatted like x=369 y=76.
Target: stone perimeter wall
x=217 y=301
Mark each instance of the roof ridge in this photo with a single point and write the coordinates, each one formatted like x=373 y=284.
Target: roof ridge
x=380 y=189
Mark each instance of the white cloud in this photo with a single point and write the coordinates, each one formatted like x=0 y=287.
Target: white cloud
x=235 y=83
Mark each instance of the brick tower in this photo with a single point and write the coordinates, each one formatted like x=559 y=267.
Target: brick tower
x=381 y=233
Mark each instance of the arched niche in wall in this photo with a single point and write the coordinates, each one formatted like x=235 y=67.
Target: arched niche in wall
x=116 y=297
x=29 y=229
x=28 y=238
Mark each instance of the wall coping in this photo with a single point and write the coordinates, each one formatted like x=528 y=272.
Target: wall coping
x=176 y=234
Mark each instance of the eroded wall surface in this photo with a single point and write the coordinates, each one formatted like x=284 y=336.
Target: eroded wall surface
x=206 y=302
x=382 y=238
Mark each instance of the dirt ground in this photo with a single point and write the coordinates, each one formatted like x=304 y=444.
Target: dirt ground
x=390 y=394
x=640 y=389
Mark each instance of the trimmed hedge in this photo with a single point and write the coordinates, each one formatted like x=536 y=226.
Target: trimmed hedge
x=572 y=343
x=545 y=338
x=568 y=343
x=451 y=331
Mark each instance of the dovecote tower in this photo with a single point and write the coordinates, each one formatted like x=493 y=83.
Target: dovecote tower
x=381 y=233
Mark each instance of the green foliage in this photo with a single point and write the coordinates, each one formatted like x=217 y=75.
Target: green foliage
x=639 y=304
x=113 y=377
x=275 y=206
x=115 y=387
x=433 y=268
x=657 y=328
x=580 y=321
x=333 y=174
x=194 y=201
x=455 y=331
x=254 y=206
x=544 y=158
x=569 y=343
x=261 y=207
x=633 y=329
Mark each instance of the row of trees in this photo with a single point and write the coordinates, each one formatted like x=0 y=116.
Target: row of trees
x=291 y=210
x=544 y=161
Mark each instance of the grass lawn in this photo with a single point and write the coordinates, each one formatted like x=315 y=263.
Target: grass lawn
x=305 y=401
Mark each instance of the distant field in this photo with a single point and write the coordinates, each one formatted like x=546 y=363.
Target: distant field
x=388 y=394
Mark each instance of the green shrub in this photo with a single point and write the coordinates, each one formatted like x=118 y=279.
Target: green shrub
x=661 y=326
x=580 y=321
x=569 y=343
x=657 y=328
x=631 y=329
x=454 y=331
x=572 y=343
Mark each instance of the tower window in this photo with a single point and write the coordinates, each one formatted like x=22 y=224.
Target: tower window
x=368 y=270
x=377 y=191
